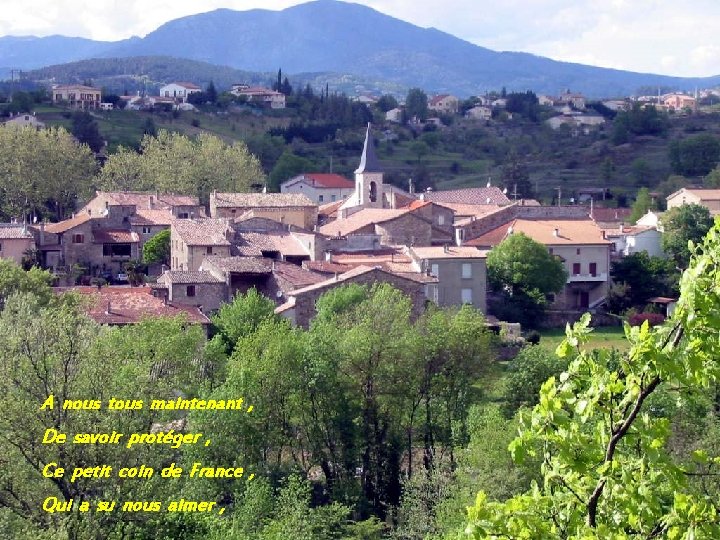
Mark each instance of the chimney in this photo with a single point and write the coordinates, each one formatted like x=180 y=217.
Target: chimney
x=603 y=234
x=556 y=232
x=622 y=227
x=42 y=233
x=422 y=196
x=336 y=276
x=446 y=249
x=328 y=256
x=108 y=310
x=411 y=186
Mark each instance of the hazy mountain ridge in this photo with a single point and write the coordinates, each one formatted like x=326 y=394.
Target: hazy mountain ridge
x=345 y=38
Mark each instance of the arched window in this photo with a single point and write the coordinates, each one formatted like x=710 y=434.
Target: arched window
x=373 y=192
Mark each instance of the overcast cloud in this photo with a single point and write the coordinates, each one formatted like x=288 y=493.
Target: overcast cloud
x=673 y=37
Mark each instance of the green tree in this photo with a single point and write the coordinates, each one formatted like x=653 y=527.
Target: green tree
x=419 y=148
x=211 y=93
x=643 y=203
x=85 y=129
x=172 y=162
x=696 y=155
x=157 y=249
x=684 y=224
x=515 y=176
x=641 y=173
x=241 y=317
x=712 y=180
x=524 y=272
x=645 y=276
x=287 y=166
x=42 y=171
x=416 y=104
x=386 y=102
x=13 y=279
x=607 y=469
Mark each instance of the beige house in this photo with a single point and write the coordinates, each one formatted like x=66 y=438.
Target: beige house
x=24 y=120
x=77 y=96
x=15 y=240
x=579 y=243
x=479 y=113
x=257 y=94
x=709 y=198
x=461 y=273
x=191 y=240
x=678 y=102
x=444 y=103
x=320 y=188
x=287 y=208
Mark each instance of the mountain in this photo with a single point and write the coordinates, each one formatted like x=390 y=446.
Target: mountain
x=346 y=38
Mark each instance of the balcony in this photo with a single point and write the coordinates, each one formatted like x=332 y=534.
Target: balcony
x=579 y=278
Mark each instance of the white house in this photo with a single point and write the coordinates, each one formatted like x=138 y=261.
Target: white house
x=179 y=91
x=394 y=115
x=319 y=187
x=479 y=113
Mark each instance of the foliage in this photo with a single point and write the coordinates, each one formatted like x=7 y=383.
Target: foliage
x=524 y=272
x=13 y=279
x=42 y=171
x=712 y=180
x=607 y=470
x=682 y=225
x=386 y=102
x=644 y=277
x=523 y=103
x=696 y=155
x=157 y=249
x=241 y=317
x=416 y=104
x=172 y=162
x=287 y=166
x=515 y=176
x=85 y=129
x=638 y=120
x=529 y=370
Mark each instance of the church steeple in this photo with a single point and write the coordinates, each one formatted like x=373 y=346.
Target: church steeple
x=368 y=160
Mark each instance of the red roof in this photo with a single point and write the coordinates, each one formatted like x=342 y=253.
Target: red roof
x=330 y=180
x=115 y=236
x=129 y=305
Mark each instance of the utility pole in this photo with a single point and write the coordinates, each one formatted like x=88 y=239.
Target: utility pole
x=559 y=190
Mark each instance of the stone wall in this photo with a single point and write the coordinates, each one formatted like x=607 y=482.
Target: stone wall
x=208 y=296
x=305 y=302
x=407 y=230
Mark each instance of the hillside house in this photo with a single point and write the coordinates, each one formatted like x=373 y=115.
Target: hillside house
x=444 y=103
x=479 y=113
x=24 y=120
x=77 y=96
x=319 y=187
x=709 y=198
x=179 y=91
x=394 y=115
x=257 y=94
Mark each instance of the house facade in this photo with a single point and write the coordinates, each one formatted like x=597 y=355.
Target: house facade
x=257 y=94
x=444 y=103
x=77 y=96
x=179 y=91
x=191 y=240
x=320 y=188
x=461 y=273
x=24 y=120
x=288 y=208
x=709 y=198
x=15 y=241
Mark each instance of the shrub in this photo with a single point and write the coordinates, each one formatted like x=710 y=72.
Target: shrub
x=653 y=319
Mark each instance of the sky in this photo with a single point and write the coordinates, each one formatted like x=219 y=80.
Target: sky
x=669 y=37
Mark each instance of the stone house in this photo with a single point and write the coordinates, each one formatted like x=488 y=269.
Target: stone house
x=300 y=307
x=579 y=243
x=15 y=240
x=191 y=240
x=461 y=273
x=287 y=208
x=204 y=290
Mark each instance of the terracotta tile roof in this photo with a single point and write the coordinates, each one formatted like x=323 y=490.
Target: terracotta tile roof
x=468 y=196
x=240 y=265
x=252 y=244
x=12 y=231
x=330 y=209
x=437 y=99
x=260 y=200
x=324 y=180
x=702 y=194
x=608 y=215
x=203 y=231
x=414 y=205
x=635 y=229
x=350 y=274
x=129 y=305
x=570 y=232
x=467 y=210
x=115 y=236
x=143 y=199
x=151 y=217
x=67 y=224
x=181 y=277
x=360 y=219
x=451 y=252
x=188 y=85
x=326 y=267
x=294 y=276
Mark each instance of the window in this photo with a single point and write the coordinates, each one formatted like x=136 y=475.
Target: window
x=576 y=269
x=190 y=291
x=593 y=269
x=333 y=197
x=209 y=250
x=183 y=215
x=78 y=238
x=466 y=270
x=550 y=250
x=577 y=251
x=466 y=296
x=373 y=192
x=441 y=219
x=435 y=270
x=551 y=298
x=321 y=198
x=146 y=230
